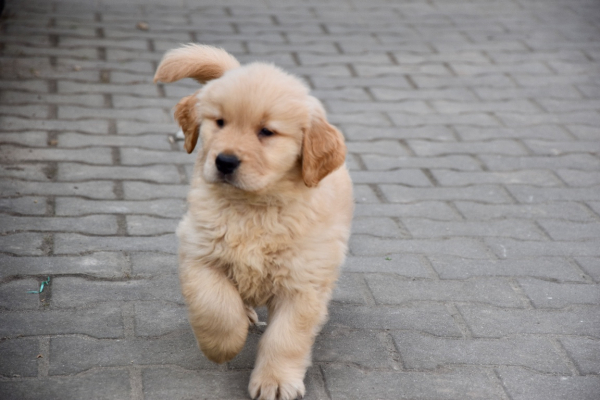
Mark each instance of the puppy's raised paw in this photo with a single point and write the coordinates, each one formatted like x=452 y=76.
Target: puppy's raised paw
x=270 y=388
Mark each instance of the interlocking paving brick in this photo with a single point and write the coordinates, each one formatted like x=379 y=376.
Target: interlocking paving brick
x=433 y=319
x=480 y=193
x=527 y=177
x=511 y=248
x=92 y=189
x=99 y=384
x=162 y=382
x=523 y=384
x=348 y=382
x=76 y=354
x=144 y=191
x=546 y=294
x=103 y=321
x=493 y=322
x=423 y=228
x=139 y=225
x=154 y=173
x=555 y=210
x=28 y=243
x=585 y=352
x=168 y=208
x=427 y=352
x=26 y=205
x=19 y=357
x=401 y=264
x=72 y=243
x=364 y=245
x=428 y=148
x=14 y=296
x=92 y=224
x=555 y=268
x=408 y=177
x=390 y=289
x=569 y=161
x=91 y=156
x=71 y=139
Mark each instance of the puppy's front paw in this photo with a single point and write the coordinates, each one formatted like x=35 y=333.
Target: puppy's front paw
x=265 y=386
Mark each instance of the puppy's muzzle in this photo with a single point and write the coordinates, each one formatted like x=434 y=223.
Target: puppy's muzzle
x=227 y=163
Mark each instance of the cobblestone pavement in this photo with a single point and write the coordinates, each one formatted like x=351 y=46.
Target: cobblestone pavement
x=473 y=129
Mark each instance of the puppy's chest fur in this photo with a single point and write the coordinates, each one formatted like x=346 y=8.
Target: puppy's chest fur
x=253 y=245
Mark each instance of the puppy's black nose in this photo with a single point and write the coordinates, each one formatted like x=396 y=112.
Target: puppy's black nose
x=227 y=163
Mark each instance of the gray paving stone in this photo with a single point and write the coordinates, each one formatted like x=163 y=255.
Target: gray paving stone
x=92 y=224
x=364 y=348
x=591 y=266
x=168 y=208
x=14 y=296
x=151 y=263
x=137 y=156
x=159 y=318
x=430 y=318
x=529 y=194
x=75 y=292
x=101 y=264
x=428 y=148
x=511 y=248
x=556 y=268
x=98 y=385
x=18 y=97
x=387 y=147
x=391 y=289
x=565 y=230
x=19 y=357
x=22 y=244
x=91 y=156
x=103 y=321
x=348 y=382
x=12 y=124
x=375 y=226
x=579 y=178
x=585 y=352
x=480 y=193
x=363 y=245
x=76 y=354
x=349 y=289
x=137 y=127
x=492 y=322
x=546 y=132
x=522 y=384
x=71 y=139
x=78 y=172
x=72 y=243
x=364 y=132
x=526 y=177
x=408 y=177
x=545 y=147
x=570 y=161
x=31 y=172
x=401 y=264
x=427 y=352
x=557 y=210
x=91 y=189
x=168 y=382
x=30 y=138
x=546 y=294
x=582 y=117
x=476 y=119
x=518 y=229
x=364 y=194
x=461 y=163
x=144 y=191
x=26 y=205
x=139 y=225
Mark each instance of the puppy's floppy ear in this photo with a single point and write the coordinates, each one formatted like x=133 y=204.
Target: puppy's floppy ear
x=201 y=62
x=187 y=116
x=323 y=148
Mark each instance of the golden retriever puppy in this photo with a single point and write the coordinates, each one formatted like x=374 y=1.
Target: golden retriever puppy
x=269 y=213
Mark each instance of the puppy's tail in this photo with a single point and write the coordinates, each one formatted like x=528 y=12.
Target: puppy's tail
x=197 y=61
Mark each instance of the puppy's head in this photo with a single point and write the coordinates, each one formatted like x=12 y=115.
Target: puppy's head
x=258 y=125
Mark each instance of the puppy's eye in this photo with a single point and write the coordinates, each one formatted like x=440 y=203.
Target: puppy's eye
x=265 y=132
x=220 y=122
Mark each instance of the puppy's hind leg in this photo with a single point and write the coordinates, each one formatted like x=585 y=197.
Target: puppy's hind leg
x=216 y=311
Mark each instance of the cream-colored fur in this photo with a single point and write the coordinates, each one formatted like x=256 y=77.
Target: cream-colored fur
x=275 y=231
